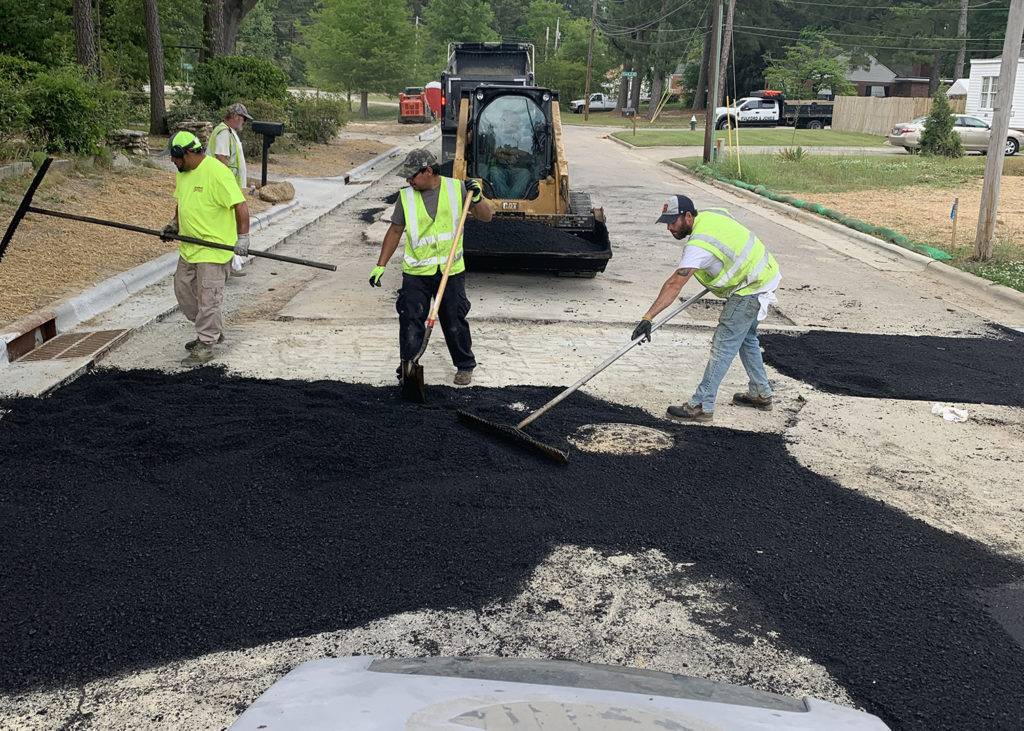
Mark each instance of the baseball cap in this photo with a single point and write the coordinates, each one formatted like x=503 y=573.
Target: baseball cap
x=187 y=141
x=239 y=109
x=674 y=207
x=416 y=161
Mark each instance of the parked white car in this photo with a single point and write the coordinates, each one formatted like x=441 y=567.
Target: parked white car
x=974 y=133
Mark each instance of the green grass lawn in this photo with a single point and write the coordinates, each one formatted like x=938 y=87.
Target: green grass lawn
x=844 y=173
x=752 y=138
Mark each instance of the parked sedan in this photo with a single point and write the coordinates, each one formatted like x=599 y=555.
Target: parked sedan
x=974 y=134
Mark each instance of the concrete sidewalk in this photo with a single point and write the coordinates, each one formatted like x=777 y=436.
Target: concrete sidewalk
x=64 y=327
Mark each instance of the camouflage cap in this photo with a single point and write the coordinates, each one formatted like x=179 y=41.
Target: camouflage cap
x=415 y=161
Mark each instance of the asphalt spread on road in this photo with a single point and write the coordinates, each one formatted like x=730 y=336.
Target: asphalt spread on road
x=147 y=517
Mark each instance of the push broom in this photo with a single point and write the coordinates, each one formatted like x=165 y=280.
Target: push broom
x=516 y=435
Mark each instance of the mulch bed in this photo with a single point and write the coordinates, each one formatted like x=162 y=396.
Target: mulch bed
x=147 y=517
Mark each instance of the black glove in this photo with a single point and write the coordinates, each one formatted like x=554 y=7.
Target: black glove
x=169 y=230
x=642 y=330
x=473 y=187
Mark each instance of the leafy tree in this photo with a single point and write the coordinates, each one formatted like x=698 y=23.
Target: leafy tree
x=543 y=17
x=360 y=46
x=811 y=64
x=452 y=21
x=38 y=30
x=509 y=16
x=71 y=113
x=220 y=25
x=938 y=137
x=226 y=79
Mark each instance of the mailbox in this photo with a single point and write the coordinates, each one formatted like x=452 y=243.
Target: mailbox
x=270 y=131
x=628 y=112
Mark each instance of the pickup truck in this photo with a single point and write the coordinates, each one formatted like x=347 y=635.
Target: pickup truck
x=598 y=103
x=771 y=109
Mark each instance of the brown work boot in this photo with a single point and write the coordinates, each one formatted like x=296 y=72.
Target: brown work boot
x=191 y=344
x=201 y=353
x=463 y=377
x=761 y=403
x=689 y=413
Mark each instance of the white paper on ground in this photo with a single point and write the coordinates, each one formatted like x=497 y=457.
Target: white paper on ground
x=949 y=413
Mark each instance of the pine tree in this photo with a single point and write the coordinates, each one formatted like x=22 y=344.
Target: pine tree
x=938 y=137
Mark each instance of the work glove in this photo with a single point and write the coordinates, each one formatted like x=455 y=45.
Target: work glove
x=169 y=230
x=375 y=275
x=473 y=187
x=642 y=330
x=242 y=245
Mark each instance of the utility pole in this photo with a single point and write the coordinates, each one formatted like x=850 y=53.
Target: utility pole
x=997 y=135
x=590 y=61
x=709 y=115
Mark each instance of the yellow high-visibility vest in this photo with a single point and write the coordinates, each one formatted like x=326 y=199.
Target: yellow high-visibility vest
x=746 y=264
x=428 y=241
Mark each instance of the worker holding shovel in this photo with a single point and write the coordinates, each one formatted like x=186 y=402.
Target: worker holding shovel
x=429 y=212
x=731 y=261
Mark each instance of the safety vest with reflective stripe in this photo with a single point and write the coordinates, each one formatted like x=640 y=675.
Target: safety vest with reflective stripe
x=428 y=240
x=746 y=264
x=233 y=159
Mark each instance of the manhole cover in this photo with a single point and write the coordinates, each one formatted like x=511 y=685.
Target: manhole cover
x=620 y=439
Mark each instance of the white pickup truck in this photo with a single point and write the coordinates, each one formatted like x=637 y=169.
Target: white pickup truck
x=770 y=109
x=598 y=103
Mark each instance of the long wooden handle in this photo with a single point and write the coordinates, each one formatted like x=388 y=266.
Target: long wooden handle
x=451 y=255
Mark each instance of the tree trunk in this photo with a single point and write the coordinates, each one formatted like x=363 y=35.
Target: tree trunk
x=933 y=79
x=702 y=75
x=961 y=34
x=220 y=25
x=622 y=101
x=85 y=42
x=364 y=105
x=157 y=106
x=657 y=89
x=726 y=46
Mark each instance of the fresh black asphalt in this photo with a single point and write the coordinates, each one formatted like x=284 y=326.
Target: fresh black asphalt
x=147 y=517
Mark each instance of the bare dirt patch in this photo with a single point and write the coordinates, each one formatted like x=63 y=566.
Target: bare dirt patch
x=923 y=214
x=51 y=259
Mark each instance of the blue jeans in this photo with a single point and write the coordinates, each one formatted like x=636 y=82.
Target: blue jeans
x=736 y=333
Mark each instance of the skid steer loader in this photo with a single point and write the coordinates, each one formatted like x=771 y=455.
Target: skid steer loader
x=510 y=138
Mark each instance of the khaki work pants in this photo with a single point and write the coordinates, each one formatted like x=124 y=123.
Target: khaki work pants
x=199 y=289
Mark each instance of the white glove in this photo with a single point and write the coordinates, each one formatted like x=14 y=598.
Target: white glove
x=242 y=245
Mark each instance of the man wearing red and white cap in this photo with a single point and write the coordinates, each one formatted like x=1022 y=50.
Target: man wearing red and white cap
x=732 y=262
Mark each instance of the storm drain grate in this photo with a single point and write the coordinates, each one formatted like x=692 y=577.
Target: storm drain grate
x=75 y=345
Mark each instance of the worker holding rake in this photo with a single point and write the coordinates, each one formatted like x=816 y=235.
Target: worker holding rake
x=731 y=261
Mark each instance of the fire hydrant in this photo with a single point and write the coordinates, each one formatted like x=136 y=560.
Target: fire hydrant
x=693 y=123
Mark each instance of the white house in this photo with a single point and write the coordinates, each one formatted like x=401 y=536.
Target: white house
x=981 y=91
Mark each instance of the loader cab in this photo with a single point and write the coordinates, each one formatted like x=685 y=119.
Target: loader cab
x=510 y=144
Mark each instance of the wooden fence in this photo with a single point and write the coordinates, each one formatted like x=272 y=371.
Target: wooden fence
x=876 y=116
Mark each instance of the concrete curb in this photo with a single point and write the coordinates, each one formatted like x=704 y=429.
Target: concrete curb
x=948 y=273
x=371 y=164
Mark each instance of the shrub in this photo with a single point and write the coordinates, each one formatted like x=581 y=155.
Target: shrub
x=182 y=109
x=938 y=137
x=224 y=80
x=792 y=154
x=17 y=69
x=316 y=118
x=69 y=113
x=265 y=111
x=13 y=109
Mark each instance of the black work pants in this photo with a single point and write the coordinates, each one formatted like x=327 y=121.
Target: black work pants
x=413 y=307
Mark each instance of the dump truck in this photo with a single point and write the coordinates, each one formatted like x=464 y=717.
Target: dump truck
x=473 y=64
x=413 y=106
x=769 y=108
x=510 y=138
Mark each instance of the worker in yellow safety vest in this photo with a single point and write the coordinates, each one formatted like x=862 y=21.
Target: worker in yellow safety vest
x=731 y=261
x=226 y=146
x=428 y=213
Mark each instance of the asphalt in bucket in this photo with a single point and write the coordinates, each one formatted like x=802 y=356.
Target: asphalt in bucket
x=147 y=517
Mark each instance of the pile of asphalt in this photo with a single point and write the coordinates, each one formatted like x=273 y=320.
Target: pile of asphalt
x=918 y=368
x=147 y=517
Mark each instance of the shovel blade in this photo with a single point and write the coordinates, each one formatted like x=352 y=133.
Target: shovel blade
x=412 y=382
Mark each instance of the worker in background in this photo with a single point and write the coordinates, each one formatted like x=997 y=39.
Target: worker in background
x=730 y=260
x=210 y=207
x=428 y=213
x=226 y=146
x=512 y=145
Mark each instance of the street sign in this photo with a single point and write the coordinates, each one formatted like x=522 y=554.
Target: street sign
x=629 y=74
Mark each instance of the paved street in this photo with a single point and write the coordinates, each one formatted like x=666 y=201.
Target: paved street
x=288 y=322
